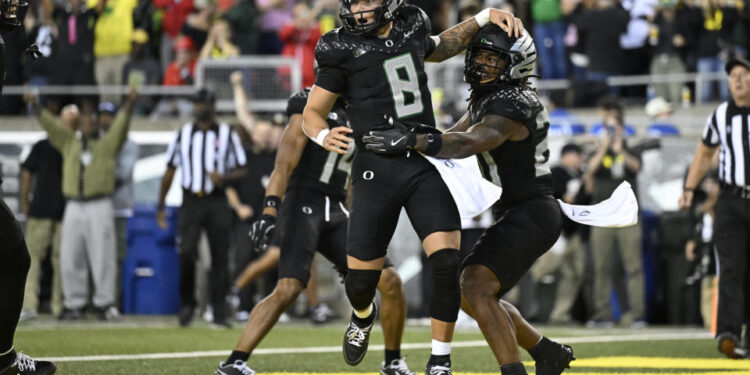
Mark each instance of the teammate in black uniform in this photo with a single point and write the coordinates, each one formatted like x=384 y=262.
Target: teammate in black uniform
x=376 y=62
x=506 y=126
x=14 y=256
x=312 y=217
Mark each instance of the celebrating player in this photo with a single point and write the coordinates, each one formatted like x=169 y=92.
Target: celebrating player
x=506 y=124
x=376 y=62
x=313 y=217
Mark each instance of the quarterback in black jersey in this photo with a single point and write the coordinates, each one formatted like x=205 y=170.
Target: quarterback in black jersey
x=506 y=127
x=313 y=184
x=14 y=255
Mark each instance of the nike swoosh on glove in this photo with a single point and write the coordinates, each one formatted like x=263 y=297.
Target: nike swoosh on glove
x=396 y=141
x=262 y=232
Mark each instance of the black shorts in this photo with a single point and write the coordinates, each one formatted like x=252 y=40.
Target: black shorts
x=310 y=221
x=381 y=186
x=523 y=232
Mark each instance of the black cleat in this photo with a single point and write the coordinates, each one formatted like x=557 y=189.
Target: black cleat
x=25 y=365
x=556 y=362
x=438 y=369
x=239 y=367
x=396 y=367
x=356 y=339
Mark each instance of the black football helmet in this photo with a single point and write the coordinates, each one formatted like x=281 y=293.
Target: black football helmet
x=12 y=13
x=383 y=14
x=518 y=55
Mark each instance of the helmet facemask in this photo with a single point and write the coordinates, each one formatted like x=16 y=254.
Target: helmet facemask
x=12 y=13
x=353 y=21
x=477 y=73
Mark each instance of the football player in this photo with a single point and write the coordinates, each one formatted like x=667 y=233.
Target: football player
x=376 y=62
x=313 y=185
x=506 y=126
x=14 y=256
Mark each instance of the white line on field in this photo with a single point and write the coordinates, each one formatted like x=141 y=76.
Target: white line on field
x=335 y=349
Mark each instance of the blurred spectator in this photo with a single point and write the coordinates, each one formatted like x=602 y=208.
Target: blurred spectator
x=112 y=42
x=636 y=52
x=175 y=12
x=179 y=73
x=575 y=39
x=603 y=26
x=467 y=9
x=613 y=163
x=243 y=22
x=714 y=45
x=198 y=22
x=219 y=45
x=44 y=34
x=141 y=69
x=668 y=37
x=123 y=197
x=568 y=184
x=549 y=29
x=300 y=36
x=274 y=15
x=88 y=223
x=438 y=11
x=74 y=60
x=204 y=205
x=44 y=214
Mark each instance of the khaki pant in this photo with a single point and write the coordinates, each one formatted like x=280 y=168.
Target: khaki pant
x=604 y=244
x=108 y=71
x=665 y=64
x=572 y=268
x=88 y=241
x=40 y=234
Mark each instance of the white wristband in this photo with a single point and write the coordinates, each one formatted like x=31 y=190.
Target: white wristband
x=483 y=17
x=321 y=136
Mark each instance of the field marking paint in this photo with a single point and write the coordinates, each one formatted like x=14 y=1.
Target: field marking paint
x=663 y=363
x=407 y=346
x=495 y=373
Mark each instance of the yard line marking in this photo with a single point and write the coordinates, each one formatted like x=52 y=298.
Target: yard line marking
x=663 y=363
x=336 y=349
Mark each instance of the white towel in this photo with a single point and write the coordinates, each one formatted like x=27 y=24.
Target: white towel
x=472 y=193
x=619 y=210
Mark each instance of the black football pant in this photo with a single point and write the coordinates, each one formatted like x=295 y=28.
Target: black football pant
x=14 y=266
x=212 y=214
x=732 y=240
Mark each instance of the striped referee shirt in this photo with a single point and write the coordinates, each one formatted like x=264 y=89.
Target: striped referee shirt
x=202 y=151
x=728 y=127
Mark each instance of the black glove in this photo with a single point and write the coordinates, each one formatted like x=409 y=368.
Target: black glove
x=33 y=51
x=262 y=232
x=394 y=141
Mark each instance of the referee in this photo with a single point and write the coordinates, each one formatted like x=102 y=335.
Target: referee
x=210 y=154
x=727 y=131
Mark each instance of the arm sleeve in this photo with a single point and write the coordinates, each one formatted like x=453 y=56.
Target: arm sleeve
x=173 y=151
x=58 y=136
x=710 y=136
x=332 y=74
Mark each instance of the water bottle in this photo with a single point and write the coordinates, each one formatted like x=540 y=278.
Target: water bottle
x=686 y=97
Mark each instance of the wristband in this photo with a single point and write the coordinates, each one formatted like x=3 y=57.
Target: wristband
x=434 y=143
x=321 y=136
x=272 y=201
x=483 y=17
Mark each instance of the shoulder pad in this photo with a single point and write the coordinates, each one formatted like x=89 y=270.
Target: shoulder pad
x=333 y=48
x=513 y=102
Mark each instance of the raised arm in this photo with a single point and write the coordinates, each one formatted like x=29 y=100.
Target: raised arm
x=58 y=136
x=240 y=102
x=454 y=40
x=315 y=125
x=117 y=134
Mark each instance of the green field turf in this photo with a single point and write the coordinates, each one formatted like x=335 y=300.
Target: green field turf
x=195 y=346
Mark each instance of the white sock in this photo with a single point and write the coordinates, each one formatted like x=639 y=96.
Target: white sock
x=363 y=314
x=440 y=348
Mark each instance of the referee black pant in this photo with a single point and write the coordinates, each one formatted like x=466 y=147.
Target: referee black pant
x=14 y=266
x=209 y=212
x=732 y=240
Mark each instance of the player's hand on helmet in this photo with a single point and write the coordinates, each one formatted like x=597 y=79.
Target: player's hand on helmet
x=507 y=21
x=337 y=140
x=395 y=141
x=262 y=231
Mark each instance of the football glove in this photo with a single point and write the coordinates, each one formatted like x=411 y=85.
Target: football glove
x=262 y=232
x=33 y=52
x=396 y=141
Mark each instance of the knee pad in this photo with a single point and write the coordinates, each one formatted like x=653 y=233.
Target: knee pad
x=445 y=299
x=360 y=287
